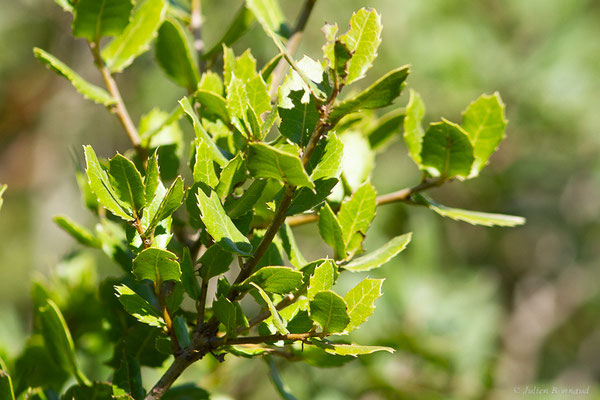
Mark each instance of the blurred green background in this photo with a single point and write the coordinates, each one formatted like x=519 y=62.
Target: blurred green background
x=474 y=312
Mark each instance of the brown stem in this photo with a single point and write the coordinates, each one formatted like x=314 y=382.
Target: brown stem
x=292 y=45
x=119 y=108
x=181 y=362
x=268 y=338
x=394 y=197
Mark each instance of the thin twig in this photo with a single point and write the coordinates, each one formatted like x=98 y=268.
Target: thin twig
x=292 y=45
x=196 y=27
x=119 y=109
x=224 y=341
x=394 y=197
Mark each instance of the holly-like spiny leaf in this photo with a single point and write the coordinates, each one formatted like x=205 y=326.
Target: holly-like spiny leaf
x=156 y=265
x=379 y=257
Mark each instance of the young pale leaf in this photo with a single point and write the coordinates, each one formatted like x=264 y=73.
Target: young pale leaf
x=94 y=19
x=351 y=349
x=136 y=38
x=232 y=174
x=201 y=133
x=356 y=215
x=127 y=380
x=331 y=231
x=447 y=150
x=212 y=82
x=362 y=41
x=276 y=318
x=188 y=275
x=212 y=104
x=239 y=26
x=484 y=121
x=127 y=183
x=290 y=246
x=258 y=95
x=413 y=131
x=2 y=190
x=6 y=385
x=329 y=310
x=220 y=227
x=472 y=217
x=237 y=104
x=265 y=161
x=329 y=160
x=279 y=280
x=215 y=261
x=244 y=351
x=88 y=90
x=175 y=54
x=322 y=279
x=57 y=338
x=298 y=121
x=330 y=31
x=204 y=166
x=138 y=307
x=78 y=232
x=385 y=130
x=361 y=301
x=157 y=265
x=169 y=203
x=358 y=159
x=377 y=258
x=226 y=313
x=101 y=186
x=380 y=94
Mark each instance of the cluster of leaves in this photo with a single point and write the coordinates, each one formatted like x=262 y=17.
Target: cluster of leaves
x=260 y=161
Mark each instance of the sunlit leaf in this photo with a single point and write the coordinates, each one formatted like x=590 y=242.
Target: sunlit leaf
x=379 y=257
x=138 y=307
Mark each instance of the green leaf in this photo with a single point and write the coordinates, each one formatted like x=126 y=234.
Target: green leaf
x=291 y=247
x=138 y=307
x=220 y=227
x=211 y=82
x=385 y=130
x=186 y=392
x=204 y=167
x=447 y=150
x=127 y=380
x=78 y=232
x=175 y=54
x=94 y=19
x=322 y=279
x=331 y=231
x=355 y=216
x=266 y=161
x=330 y=31
x=413 y=131
x=232 y=174
x=6 y=386
x=362 y=41
x=277 y=321
x=258 y=95
x=485 y=122
x=250 y=197
x=226 y=313
x=358 y=159
x=305 y=198
x=280 y=386
x=245 y=351
x=188 y=275
x=329 y=310
x=329 y=159
x=95 y=391
x=57 y=337
x=351 y=349
x=279 y=280
x=66 y=5
x=101 y=186
x=169 y=203
x=268 y=13
x=200 y=132
x=157 y=265
x=298 y=121
x=89 y=91
x=472 y=217
x=380 y=94
x=152 y=179
x=127 y=183
x=212 y=104
x=215 y=261
x=136 y=37
x=181 y=331
x=239 y=26
x=237 y=102
x=361 y=301
x=377 y=258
